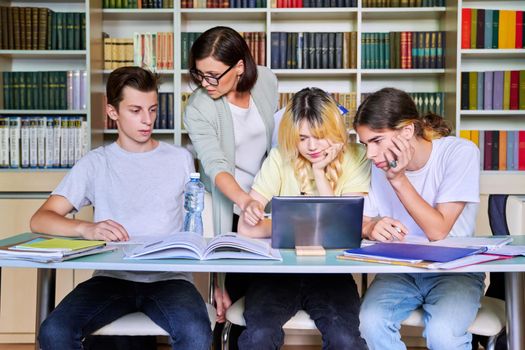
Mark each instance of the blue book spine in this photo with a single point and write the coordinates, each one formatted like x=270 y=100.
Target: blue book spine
x=488 y=29
x=516 y=150
x=275 y=51
x=489 y=82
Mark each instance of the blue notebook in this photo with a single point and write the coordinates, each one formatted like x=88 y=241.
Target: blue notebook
x=412 y=252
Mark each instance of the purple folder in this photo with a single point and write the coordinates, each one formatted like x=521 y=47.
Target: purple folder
x=407 y=251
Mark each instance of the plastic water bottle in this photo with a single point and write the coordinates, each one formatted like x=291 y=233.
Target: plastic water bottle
x=194 y=204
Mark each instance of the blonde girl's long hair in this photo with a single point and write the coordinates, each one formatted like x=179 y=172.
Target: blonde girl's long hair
x=320 y=111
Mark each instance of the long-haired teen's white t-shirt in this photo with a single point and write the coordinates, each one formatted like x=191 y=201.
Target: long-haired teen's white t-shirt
x=451 y=174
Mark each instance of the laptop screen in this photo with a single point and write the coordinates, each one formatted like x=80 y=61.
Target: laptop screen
x=331 y=222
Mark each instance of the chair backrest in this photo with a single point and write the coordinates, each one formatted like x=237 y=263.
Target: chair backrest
x=498 y=214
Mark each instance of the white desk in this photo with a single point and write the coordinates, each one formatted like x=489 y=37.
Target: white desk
x=514 y=271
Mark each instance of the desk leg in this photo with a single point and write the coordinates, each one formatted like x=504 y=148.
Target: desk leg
x=515 y=310
x=45 y=302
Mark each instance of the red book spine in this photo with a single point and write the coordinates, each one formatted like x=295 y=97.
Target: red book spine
x=487 y=162
x=465 y=28
x=514 y=89
x=521 y=150
x=519 y=30
x=300 y=3
x=404 y=52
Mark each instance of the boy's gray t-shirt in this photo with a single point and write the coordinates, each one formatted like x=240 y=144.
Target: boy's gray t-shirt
x=143 y=192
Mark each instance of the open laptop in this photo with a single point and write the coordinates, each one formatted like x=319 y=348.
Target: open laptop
x=330 y=222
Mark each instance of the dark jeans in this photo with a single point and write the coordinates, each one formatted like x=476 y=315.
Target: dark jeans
x=175 y=305
x=331 y=300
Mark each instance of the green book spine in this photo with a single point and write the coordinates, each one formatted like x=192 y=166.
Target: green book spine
x=105 y=4
x=52 y=98
x=62 y=90
x=69 y=33
x=82 y=31
x=59 y=31
x=22 y=88
x=39 y=91
x=184 y=50
x=45 y=90
x=495 y=29
x=8 y=90
x=522 y=90
x=75 y=41
x=29 y=90
x=472 y=90
x=473 y=28
x=50 y=29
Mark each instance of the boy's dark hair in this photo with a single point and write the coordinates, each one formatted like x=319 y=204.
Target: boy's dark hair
x=135 y=77
x=227 y=46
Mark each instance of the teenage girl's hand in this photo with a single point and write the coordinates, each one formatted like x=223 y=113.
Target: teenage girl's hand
x=398 y=156
x=222 y=303
x=107 y=230
x=388 y=229
x=329 y=155
x=253 y=212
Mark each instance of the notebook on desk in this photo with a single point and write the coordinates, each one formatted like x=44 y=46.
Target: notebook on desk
x=330 y=222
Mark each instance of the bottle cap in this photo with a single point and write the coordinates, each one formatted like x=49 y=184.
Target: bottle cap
x=195 y=175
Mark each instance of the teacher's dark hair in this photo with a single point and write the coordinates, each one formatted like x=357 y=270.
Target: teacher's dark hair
x=227 y=46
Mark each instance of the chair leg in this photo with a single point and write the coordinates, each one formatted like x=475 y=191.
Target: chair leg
x=225 y=337
x=491 y=342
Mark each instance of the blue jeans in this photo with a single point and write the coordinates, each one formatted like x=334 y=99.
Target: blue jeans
x=330 y=300
x=175 y=305
x=450 y=303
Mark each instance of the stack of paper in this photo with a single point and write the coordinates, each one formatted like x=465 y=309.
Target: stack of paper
x=44 y=249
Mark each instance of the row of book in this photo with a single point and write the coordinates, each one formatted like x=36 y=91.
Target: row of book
x=405 y=50
x=313 y=3
x=42 y=142
x=222 y=4
x=499 y=149
x=403 y=3
x=347 y=100
x=334 y=50
x=492 y=29
x=45 y=90
x=256 y=42
x=152 y=50
x=494 y=90
x=426 y=102
x=34 y=28
x=165 y=116
x=137 y=4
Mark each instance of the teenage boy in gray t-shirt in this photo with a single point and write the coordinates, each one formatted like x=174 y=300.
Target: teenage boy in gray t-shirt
x=136 y=187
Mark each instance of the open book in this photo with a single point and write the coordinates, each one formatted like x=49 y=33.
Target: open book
x=188 y=245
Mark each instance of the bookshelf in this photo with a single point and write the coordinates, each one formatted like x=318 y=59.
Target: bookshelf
x=475 y=59
x=23 y=190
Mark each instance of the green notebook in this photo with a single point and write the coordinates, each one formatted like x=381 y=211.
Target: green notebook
x=58 y=244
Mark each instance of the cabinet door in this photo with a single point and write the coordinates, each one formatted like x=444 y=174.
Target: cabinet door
x=18 y=299
x=18 y=292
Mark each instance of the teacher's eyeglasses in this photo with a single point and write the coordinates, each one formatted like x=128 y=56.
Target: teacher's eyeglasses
x=213 y=81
